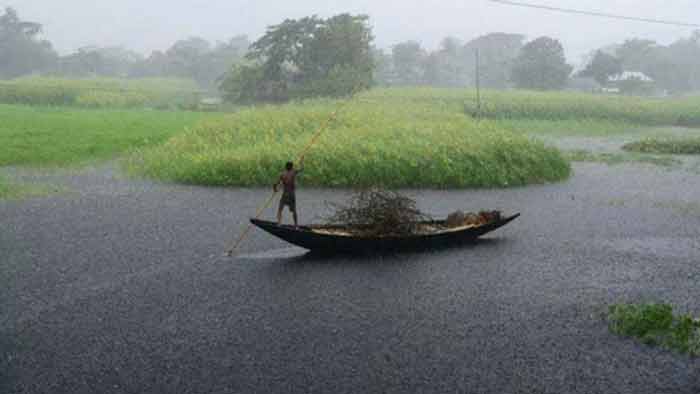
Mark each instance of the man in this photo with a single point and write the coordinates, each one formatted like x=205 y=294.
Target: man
x=288 y=181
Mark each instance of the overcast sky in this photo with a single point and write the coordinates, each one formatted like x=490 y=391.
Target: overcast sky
x=145 y=25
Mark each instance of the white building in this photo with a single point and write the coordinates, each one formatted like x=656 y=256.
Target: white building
x=629 y=75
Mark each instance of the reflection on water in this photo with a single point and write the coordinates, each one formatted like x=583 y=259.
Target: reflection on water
x=274 y=254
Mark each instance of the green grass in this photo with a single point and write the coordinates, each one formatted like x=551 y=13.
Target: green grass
x=572 y=127
x=396 y=142
x=676 y=146
x=101 y=92
x=557 y=106
x=655 y=324
x=11 y=191
x=42 y=136
x=5 y=189
x=579 y=106
x=620 y=158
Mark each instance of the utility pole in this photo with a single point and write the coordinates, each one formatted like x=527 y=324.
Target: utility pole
x=478 y=86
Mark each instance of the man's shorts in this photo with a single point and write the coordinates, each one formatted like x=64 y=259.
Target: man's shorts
x=289 y=200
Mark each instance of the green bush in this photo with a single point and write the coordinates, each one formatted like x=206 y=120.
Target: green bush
x=655 y=324
x=677 y=146
x=395 y=143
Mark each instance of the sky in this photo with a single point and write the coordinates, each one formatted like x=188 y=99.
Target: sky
x=147 y=25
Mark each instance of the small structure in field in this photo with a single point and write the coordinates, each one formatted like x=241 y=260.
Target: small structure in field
x=632 y=82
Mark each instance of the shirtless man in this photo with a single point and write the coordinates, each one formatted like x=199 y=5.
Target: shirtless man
x=288 y=181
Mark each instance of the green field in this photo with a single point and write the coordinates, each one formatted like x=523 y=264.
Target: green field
x=395 y=141
x=552 y=106
x=161 y=93
x=43 y=136
x=413 y=137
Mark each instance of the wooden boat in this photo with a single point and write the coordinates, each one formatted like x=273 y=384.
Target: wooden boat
x=326 y=238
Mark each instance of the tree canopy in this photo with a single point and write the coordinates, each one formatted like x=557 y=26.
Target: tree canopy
x=541 y=65
x=21 y=49
x=602 y=67
x=305 y=58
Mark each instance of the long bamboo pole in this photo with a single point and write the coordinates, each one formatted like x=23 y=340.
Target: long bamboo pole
x=261 y=209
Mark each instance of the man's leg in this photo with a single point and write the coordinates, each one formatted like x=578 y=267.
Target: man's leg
x=279 y=213
x=293 y=208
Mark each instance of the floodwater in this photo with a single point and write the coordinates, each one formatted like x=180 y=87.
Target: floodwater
x=118 y=285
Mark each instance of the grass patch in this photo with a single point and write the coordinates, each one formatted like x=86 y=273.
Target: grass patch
x=675 y=146
x=160 y=93
x=5 y=189
x=557 y=106
x=620 y=158
x=656 y=325
x=571 y=127
x=13 y=191
x=42 y=136
x=396 y=142
x=581 y=106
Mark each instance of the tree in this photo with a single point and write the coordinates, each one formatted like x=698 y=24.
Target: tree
x=338 y=60
x=674 y=68
x=194 y=58
x=409 y=60
x=109 y=61
x=306 y=58
x=244 y=83
x=497 y=54
x=541 y=65
x=634 y=54
x=21 y=50
x=444 y=67
x=602 y=67
x=384 y=74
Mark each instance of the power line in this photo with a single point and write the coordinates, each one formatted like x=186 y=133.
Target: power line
x=593 y=13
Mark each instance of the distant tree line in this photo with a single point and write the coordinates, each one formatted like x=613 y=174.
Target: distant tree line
x=505 y=60
x=335 y=56
x=674 y=67
x=23 y=52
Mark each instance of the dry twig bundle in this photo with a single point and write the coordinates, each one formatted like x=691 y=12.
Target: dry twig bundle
x=378 y=212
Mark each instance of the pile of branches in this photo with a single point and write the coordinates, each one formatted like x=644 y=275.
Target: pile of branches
x=378 y=212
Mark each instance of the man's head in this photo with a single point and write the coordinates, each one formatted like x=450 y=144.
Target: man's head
x=289 y=166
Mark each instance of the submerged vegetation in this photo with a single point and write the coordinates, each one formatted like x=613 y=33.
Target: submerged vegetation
x=398 y=142
x=5 y=190
x=620 y=158
x=11 y=190
x=676 y=146
x=655 y=324
x=66 y=136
